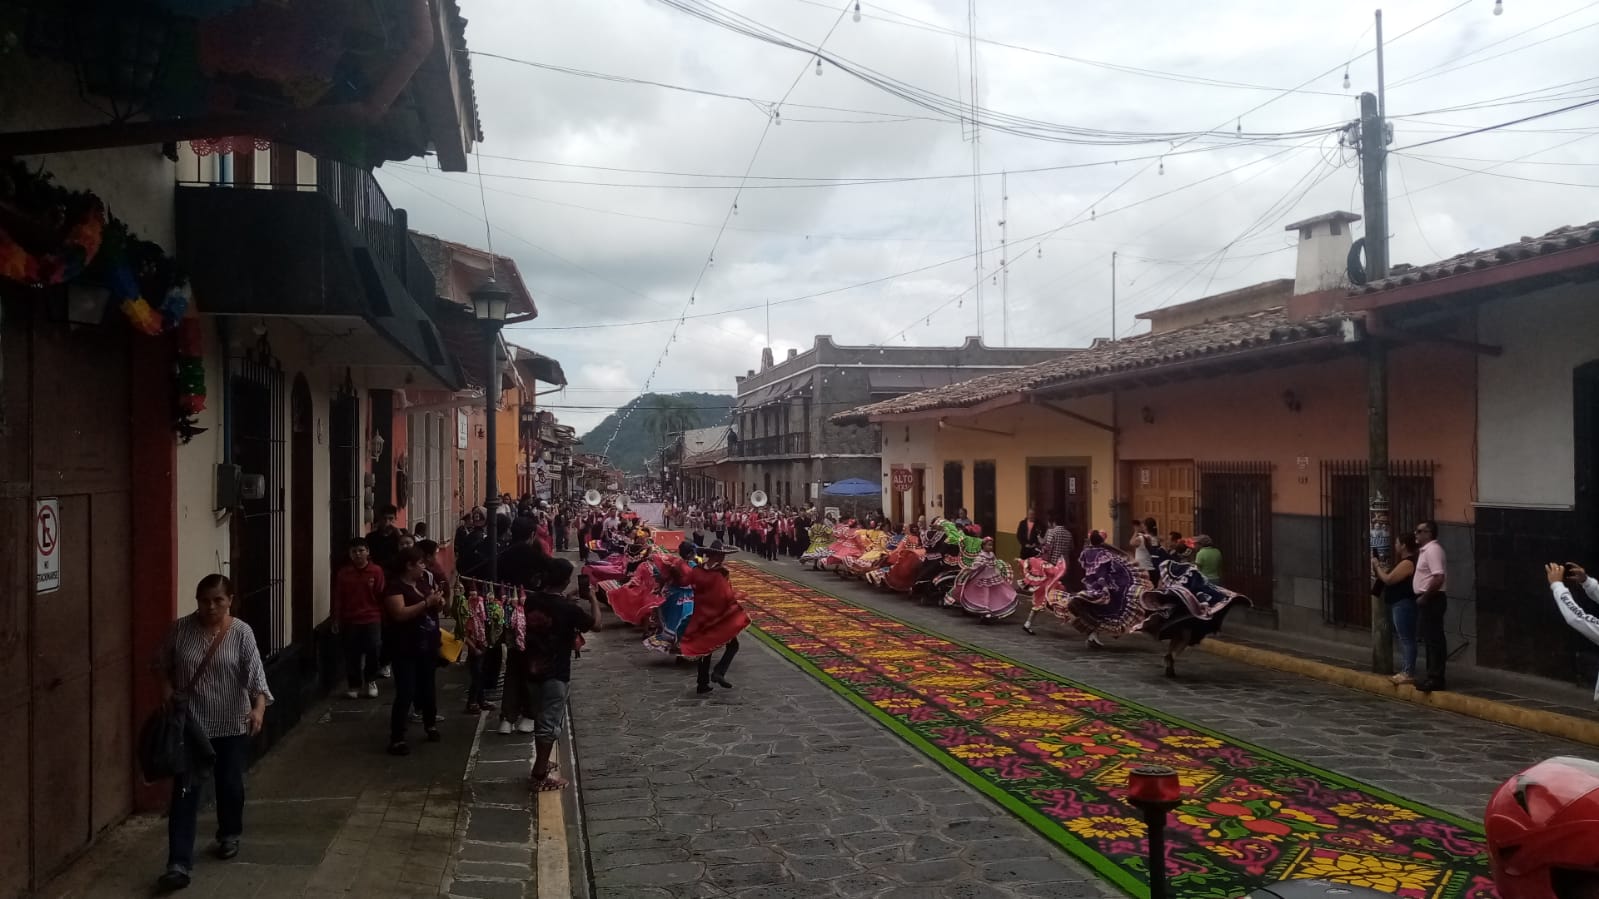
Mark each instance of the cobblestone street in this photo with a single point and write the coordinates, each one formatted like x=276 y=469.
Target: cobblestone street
x=779 y=787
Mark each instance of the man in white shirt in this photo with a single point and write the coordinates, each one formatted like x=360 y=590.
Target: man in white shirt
x=1430 y=583
x=1561 y=578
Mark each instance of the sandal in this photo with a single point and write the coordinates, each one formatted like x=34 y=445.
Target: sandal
x=549 y=784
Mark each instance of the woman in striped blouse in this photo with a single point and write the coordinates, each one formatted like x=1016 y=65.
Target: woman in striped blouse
x=229 y=699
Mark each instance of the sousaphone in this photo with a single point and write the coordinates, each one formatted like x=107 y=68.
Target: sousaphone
x=758 y=499
x=592 y=497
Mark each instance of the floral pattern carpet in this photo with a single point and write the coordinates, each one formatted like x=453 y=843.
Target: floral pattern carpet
x=1056 y=753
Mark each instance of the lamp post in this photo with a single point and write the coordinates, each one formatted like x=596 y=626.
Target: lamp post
x=489 y=305
x=1155 y=790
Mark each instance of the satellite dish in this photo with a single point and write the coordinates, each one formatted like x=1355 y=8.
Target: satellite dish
x=758 y=498
x=592 y=497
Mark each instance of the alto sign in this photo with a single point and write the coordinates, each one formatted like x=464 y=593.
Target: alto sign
x=902 y=479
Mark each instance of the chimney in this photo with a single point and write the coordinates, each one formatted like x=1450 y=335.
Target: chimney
x=792 y=352
x=1324 y=243
x=766 y=358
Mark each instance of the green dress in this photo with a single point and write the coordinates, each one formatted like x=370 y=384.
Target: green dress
x=1208 y=561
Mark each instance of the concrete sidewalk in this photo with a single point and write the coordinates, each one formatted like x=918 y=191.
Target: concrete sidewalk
x=330 y=813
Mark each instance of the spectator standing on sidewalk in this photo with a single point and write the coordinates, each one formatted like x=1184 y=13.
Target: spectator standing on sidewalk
x=1561 y=579
x=384 y=541
x=1399 y=593
x=553 y=622
x=524 y=564
x=209 y=660
x=412 y=611
x=358 y=618
x=1432 y=601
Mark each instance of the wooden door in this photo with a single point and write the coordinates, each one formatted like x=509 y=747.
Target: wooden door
x=954 y=489
x=985 y=497
x=1163 y=491
x=918 y=496
x=80 y=683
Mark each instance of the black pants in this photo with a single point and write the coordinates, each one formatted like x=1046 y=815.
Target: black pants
x=484 y=670
x=1430 y=628
x=515 y=702
x=413 y=685
x=233 y=755
x=721 y=667
x=361 y=649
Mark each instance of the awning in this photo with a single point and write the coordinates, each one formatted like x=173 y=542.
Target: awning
x=539 y=367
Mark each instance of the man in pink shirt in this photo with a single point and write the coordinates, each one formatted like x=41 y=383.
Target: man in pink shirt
x=1430 y=583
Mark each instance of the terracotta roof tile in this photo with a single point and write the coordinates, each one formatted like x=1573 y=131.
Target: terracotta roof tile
x=1525 y=248
x=1270 y=327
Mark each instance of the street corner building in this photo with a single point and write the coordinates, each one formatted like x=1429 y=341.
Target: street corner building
x=224 y=349
x=1244 y=416
x=786 y=440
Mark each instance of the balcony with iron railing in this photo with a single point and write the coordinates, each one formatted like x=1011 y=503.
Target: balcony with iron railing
x=337 y=249
x=794 y=444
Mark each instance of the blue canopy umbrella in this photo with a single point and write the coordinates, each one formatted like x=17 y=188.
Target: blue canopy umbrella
x=852 y=487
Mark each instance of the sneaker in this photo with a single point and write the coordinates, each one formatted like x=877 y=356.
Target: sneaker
x=175 y=878
x=372 y=690
x=352 y=693
x=525 y=726
x=386 y=672
x=1402 y=678
x=505 y=728
x=227 y=848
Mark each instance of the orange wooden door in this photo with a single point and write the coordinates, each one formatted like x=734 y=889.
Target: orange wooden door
x=1163 y=491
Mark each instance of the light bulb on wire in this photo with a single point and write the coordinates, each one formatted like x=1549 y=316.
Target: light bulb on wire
x=1346 y=78
x=735 y=207
x=1499 y=8
x=818 y=65
x=857 y=16
x=777 y=116
x=1040 y=251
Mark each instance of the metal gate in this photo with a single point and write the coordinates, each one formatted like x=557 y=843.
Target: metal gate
x=1235 y=512
x=259 y=447
x=1345 y=530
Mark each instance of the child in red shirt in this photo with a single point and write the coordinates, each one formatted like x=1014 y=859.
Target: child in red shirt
x=358 y=618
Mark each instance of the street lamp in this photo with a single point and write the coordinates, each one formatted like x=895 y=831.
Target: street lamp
x=1155 y=790
x=490 y=302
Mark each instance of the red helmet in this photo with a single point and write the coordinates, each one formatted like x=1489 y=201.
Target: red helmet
x=1543 y=828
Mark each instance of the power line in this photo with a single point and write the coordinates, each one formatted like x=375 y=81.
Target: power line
x=1501 y=125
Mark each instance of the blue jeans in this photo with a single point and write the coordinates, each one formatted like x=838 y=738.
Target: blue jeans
x=1404 y=617
x=233 y=754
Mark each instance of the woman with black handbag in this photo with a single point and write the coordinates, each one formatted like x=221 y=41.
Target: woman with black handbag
x=210 y=665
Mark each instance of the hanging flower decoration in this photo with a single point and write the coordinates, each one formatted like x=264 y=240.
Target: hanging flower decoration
x=134 y=271
x=188 y=380
x=48 y=234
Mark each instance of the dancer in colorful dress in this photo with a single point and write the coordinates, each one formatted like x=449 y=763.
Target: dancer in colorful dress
x=717 y=619
x=984 y=586
x=1111 y=602
x=1187 y=608
x=902 y=563
x=874 y=553
x=821 y=536
x=1043 y=580
x=842 y=549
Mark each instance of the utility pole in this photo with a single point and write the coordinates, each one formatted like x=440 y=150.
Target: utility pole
x=1113 y=295
x=1004 y=270
x=1374 y=173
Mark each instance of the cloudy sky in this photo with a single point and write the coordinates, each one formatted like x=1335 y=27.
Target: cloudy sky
x=611 y=194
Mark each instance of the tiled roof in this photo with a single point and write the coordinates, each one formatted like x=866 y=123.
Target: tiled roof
x=1244 y=334
x=1526 y=248
x=464 y=61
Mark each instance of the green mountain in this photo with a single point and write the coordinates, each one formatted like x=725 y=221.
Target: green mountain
x=644 y=419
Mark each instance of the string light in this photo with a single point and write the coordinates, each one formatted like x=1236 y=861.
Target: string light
x=1240 y=127
x=818 y=65
x=1162 y=170
x=735 y=207
x=777 y=116
x=1040 y=251
x=1499 y=9
x=857 y=16
x=1346 y=76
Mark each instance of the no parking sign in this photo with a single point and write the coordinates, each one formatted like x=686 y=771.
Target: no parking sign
x=47 y=545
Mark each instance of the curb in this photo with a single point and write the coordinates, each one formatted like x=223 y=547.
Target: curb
x=1552 y=724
